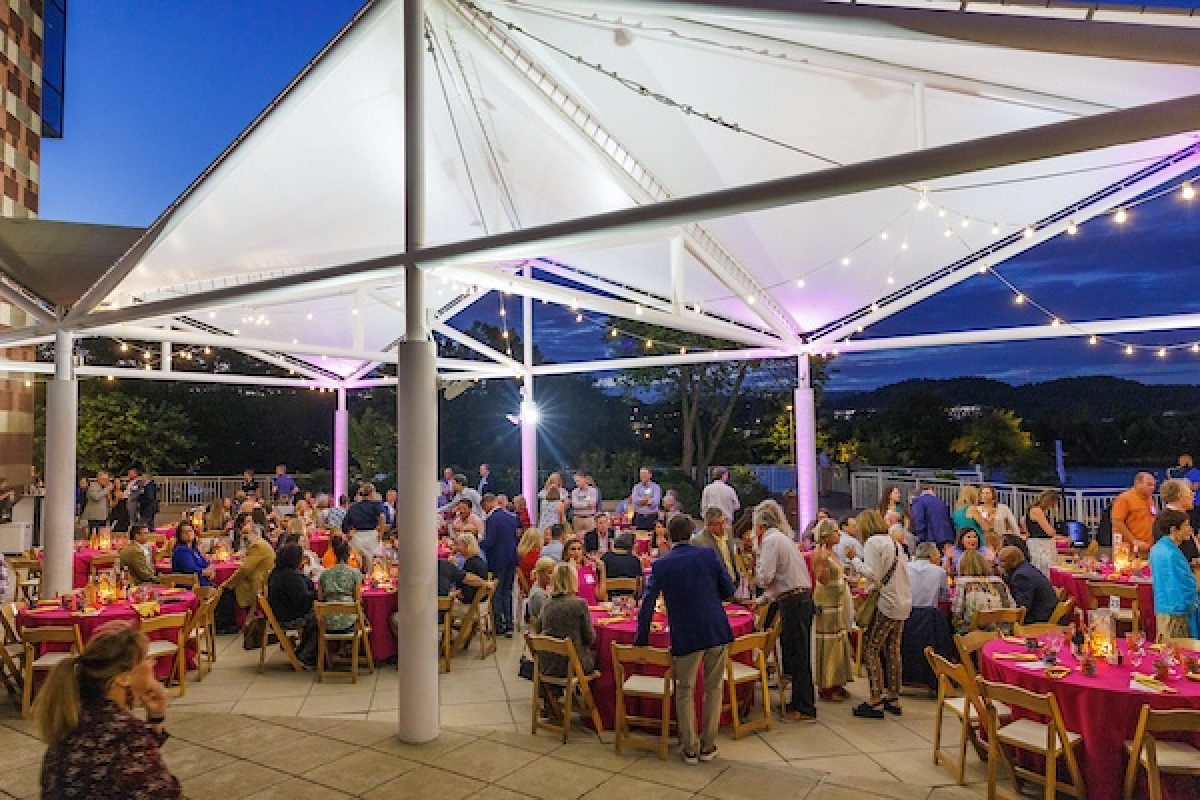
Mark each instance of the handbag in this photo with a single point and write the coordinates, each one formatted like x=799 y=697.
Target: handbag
x=867 y=608
x=252 y=634
x=525 y=668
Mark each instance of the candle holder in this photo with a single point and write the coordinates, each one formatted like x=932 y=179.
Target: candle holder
x=1102 y=632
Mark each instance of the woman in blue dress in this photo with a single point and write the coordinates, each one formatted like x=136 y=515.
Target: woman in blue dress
x=186 y=557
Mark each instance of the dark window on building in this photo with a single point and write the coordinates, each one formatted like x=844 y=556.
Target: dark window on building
x=54 y=62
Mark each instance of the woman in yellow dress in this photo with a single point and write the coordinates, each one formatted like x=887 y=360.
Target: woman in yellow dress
x=831 y=596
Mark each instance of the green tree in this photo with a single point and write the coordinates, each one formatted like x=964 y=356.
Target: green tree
x=117 y=430
x=914 y=430
x=372 y=443
x=992 y=439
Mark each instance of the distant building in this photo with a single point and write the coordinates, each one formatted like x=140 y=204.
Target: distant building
x=31 y=94
x=964 y=412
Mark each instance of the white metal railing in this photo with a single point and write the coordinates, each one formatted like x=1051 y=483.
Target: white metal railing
x=188 y=490
x=1085 y=505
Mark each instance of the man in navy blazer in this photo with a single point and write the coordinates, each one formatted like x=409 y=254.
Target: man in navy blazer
x=499 y=546
x=693 y=583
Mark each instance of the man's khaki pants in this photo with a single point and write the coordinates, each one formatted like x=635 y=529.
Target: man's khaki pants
x=712 y=661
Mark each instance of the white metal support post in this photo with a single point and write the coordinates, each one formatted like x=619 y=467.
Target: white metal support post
x=804 y=407
x=528 y=413
x=62 y=404
x=416 y=429
x=341 y=446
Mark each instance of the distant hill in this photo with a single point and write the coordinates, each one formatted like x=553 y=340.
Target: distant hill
x=1097 y=396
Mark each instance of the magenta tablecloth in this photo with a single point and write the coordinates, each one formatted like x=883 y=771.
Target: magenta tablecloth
x=1076 y=586
x=378 y=606
x=1104 y=710
x=604 y=688
x=171 y=603
x=82 y=560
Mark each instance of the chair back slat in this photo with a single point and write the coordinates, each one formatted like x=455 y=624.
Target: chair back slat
x=1179 y=720
x=1041 y=629
x=968 y=644
x=1016 y=697
x=998 y=616
x=642 y=656
x=163 y=622
x=749 y=642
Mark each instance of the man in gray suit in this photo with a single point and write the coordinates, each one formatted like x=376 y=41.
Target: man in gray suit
x=715 y=535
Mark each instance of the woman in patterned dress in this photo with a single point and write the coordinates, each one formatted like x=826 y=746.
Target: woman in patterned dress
x=832 y=658
x=95 y=747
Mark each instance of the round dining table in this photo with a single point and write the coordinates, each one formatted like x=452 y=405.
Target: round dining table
x=1103 y=709
x=171 y=601
x=1076 y=583
x=624 y=631
x=379 y=604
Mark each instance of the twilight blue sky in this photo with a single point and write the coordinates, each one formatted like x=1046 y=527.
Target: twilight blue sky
x=155 y=90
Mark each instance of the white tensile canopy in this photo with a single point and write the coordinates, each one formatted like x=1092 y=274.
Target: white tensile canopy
x=776 y=175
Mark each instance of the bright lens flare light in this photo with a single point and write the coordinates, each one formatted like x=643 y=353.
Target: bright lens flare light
x=530 y=414
x=1128 y=349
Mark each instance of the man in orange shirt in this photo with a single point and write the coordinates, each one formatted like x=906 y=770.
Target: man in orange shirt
x=1133 y=512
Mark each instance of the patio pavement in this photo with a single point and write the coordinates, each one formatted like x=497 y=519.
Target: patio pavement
x=238 y=734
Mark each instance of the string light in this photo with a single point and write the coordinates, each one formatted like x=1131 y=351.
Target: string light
x=1162 y=352
x=1019 y=299
x=1120 y=216
x=1187 y=191
x=1128 y=349
x=1093 y=339
x=1072 y=228
x=845 y=261
x=1028 y=232
x=800 y=283
x=649 y=343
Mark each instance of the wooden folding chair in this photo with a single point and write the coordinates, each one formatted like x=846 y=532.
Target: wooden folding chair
x=968 y=645
x=178 y=580
x=649 y=687
x=631 y=586
x=739 y=674
x=1100 y=591
x=204 y=628
x=12 y=653
x=522 y=599
x=1183 y=642
x=476 y=617
x=988 y=619
x=324 y=637
x=544 y=686
x=1050 y=739
x=106 y=562
x=957 y=693
x=282 y=634
x=1064 y=610
x=364 y=625
x=166 y=648
x=1040 y=629
x=28 y=575
x=445 y=632
x=1157 y=757
x=36 y=662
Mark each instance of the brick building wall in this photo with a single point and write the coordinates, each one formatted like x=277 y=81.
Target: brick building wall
x=21 y=23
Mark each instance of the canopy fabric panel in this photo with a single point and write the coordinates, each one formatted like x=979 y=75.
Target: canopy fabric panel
x=698 y=101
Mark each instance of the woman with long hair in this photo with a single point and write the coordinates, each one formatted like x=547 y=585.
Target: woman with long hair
x=1041 y=541
x=529 y=550
x=186 y=557
x=884 y=565
x=966 y=510
x=95 y=747
x=831 y=596
x=997 y=519
x=979 y=589
x=589 y=572
x=891 y=499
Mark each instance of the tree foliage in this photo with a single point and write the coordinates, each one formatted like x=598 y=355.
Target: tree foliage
x=372 y=444
x=992 y=439
x=118 y=430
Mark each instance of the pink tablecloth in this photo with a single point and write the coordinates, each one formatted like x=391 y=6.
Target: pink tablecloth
x=318 y=543
x=1103 y=709
x=82 y=560
x=172 y=603
x=378 y=606
x=624 y=632
x=1077 y=587
x=165 y=530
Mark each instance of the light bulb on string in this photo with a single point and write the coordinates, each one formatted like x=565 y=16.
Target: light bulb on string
x=124 y=347
x=649 y=343
x=800 y=283
x=983 y=268
x=845 y=261
x=1196 y=348
x=923 y=202
x=1028 y=232
x=964 y=223
x=941 y=212
x=613 y=333
x=1019 y=299
x=995 y=229
x=208 y=351
x=891 y=280
x=637 y=310
x=750 y=300
x=947 y=233
x=1187 y=191
x=1162 y=352
x=874 y=306
x=579 y=317
x=884 y=236
x=1128 y=349
x=683 y=351
x=1072 y=228
x=1120 y=216
x=1054 y=323
x=904 y=245
x=1093 y=339
x=503 y=312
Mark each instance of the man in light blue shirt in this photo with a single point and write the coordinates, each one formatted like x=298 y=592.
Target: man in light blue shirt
x=554 y=547
x=1174 y=583
x=926 y=577
x=646 y=499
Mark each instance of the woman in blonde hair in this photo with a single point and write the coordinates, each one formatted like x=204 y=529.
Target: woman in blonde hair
x=966 y=510
x=529 y=550
x=565 y=616
x=831 y=596
x=95 y=747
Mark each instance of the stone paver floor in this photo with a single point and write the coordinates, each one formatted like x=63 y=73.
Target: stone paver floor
x=238 y=734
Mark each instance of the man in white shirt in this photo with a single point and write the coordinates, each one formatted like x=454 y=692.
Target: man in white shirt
x=584 y=502
x=782 y=573
x=719 y=494
x=926 y=577
x=848 y=545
